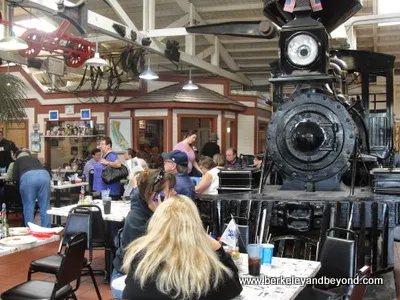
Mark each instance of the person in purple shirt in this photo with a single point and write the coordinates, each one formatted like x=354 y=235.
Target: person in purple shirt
x=109 y=158
x=96 y=156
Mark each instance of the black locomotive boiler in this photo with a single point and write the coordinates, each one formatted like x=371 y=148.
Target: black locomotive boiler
x=323 y=139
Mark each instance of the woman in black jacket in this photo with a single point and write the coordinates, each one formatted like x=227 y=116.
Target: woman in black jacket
x=153 y=187
x=176 y=259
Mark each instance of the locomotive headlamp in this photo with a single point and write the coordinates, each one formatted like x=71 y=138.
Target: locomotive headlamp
x=302 y=50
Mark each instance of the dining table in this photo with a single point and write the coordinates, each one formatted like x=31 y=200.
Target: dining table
x=281 y=269
x=119 y=210
x=63 y=186
x=17 y=243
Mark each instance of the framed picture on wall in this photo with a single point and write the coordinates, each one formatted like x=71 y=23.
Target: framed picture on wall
x=35 y=137
x=120 y=132
x=35 y=147
x=86 y=114
x=53 y=115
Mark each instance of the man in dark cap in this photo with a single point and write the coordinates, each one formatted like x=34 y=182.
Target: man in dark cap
x=176 y=163
x=211 y=147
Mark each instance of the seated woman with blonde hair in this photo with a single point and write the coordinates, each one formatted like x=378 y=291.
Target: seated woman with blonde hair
x=209 y=182
x=219 y=159
x=176 y=259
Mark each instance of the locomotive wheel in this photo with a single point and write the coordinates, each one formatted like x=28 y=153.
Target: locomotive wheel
x=31 y=37
x=74 y=60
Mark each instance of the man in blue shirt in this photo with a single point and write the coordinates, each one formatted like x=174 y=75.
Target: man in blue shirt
x=176 y=163
x=109 y=158
x=96 y=156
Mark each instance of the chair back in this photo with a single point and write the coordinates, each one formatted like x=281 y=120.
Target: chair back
x=12 y=197
x=339 y=256
x=98 y=237
x=78 y=222
x=291 y=246
x=72 y=262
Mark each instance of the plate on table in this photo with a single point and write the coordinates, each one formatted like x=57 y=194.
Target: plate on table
x=18 y=231
x=18 y=240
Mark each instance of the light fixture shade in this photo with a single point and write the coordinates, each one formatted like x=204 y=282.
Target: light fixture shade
x=13 y=43
x=190 y=86
x=148 y=75
x=96 y=61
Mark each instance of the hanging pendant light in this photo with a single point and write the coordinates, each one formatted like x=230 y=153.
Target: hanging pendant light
x=190 y=86
x=12 y=43
x=96 y=61
x=148 y=74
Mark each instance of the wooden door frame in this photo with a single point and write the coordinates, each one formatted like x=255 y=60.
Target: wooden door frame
x=136 y=130
x=214 y=121
x=233 y=133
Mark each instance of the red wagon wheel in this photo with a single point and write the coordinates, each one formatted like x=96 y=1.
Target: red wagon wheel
x=34 y=41
x=75 y=60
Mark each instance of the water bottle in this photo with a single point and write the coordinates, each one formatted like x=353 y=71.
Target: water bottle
x=5 y=222
x=82 y=195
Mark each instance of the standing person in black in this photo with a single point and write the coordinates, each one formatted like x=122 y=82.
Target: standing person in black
x=6 y=147
x=153 y=187
x=211 y=148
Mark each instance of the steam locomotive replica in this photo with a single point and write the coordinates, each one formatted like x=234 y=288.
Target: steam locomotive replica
x=329 y=147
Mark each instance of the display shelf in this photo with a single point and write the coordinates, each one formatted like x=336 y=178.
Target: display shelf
x=66 y=136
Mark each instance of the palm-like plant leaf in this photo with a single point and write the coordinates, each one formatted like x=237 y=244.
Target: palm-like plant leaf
x=12 y=98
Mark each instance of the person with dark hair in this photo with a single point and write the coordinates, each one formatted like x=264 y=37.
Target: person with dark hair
x=209 y=182
x=95 y=158
x=129 y=154
x=211 y=147
x=176 y=163
x=258 y=160
x=109 y=158
x=34 y=183
x=6 y=147
x=187 y=146
x=154 y=186
x=232 y=160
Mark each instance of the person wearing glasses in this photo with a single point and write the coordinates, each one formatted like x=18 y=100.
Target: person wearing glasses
x=176 y=259
x=176 y=162
x=153 y=187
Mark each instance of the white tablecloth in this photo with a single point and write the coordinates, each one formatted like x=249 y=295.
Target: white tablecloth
x=285 y=267
x=280 y=267
x=5 y=250
x=67 y=185
x=119 y=210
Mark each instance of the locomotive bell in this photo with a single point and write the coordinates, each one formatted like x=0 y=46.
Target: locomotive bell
x=304 y=46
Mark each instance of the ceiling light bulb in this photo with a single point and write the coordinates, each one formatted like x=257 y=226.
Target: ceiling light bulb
x=96 y=61
x=148 y=75
x=190 y=86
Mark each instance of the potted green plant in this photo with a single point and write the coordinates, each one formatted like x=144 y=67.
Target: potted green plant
x=12 y=98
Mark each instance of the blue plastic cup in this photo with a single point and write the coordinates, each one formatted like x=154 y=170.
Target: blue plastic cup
x=267 y=252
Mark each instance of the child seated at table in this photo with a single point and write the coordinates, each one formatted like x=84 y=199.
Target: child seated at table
x=176 y=259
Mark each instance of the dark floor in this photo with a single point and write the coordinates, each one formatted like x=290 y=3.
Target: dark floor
x=13 y=270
